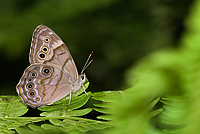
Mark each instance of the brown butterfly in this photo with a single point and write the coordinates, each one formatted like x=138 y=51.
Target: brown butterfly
x=52 y=73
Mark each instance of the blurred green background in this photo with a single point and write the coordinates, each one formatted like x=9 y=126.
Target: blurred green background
x=120 y=32
x=153 y=45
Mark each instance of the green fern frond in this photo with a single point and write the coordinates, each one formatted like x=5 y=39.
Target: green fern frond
x=61 y=109
x=175 y=109
x=80 y=124
x=154 y=112
x=64 y=125
x=107 y=96
x=153 y=103
x=106 y=117
x=57 y=118
x=103 y=107
x=105 y=99
x=7 y=125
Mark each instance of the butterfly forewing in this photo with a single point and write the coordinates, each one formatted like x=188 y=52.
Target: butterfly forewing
x=48 y=48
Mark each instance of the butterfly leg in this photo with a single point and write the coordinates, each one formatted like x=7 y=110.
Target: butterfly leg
x=84 y=89
x=70 y=97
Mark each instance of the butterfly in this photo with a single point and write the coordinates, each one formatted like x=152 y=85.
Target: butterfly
x=52 y=74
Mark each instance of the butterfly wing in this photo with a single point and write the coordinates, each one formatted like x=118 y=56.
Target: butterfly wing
x=42 y=85
x=52 y=74
x=47 y=48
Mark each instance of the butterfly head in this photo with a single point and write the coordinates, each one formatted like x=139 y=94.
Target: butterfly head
x=80 y=81
x=82 y=78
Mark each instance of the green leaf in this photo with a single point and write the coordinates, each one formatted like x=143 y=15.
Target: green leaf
x=102 y=110
x=155 y=112
x=24 y=131
x=33 y=129
x=37 y=128
x=11 y=106
x=106 y=117
x=154 y=103
x=62 y=108
x=6 y=124
x=174 y=110
x=79 y=112
x=103 y=105
x=75 y=123
x=107 y=96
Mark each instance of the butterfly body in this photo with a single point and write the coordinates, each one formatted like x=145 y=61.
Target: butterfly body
x=52 y=74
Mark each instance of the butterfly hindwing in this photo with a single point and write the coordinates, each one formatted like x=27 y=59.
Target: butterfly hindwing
x=42 y=85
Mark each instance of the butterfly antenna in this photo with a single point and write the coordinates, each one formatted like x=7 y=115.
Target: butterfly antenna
x=87 y=63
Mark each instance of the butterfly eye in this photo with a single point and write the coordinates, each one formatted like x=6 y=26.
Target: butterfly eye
x=33 y=75
x=46 y=39
x=45 y=49
x=32 y=93
x=30 y=86
x=46 y=71
x=42 y=56
x=82 y=77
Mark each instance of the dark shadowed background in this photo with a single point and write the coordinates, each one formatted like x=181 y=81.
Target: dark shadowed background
x=120 y=32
